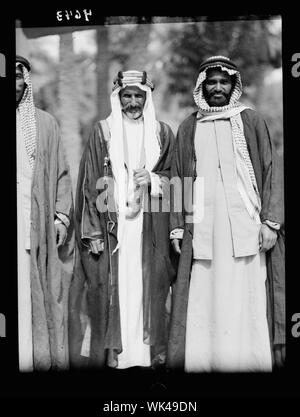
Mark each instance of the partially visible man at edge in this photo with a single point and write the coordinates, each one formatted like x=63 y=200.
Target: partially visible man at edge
x=123 y=257
x=228 y=310
x=45 y=232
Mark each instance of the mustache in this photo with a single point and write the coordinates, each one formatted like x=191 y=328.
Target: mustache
x=130 y=107
x=217 y=92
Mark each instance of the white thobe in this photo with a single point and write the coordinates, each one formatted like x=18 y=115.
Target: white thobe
x=227 y=326
x=135 y=352
x=24 y=179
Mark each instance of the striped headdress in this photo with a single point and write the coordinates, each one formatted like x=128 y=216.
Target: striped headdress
x=127 y=78
x=26 y=109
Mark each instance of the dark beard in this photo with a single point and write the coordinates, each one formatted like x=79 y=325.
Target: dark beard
x=209 y=96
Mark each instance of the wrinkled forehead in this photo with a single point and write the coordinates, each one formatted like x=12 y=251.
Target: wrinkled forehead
x=132 y=89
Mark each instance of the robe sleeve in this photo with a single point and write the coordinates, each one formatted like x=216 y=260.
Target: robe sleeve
x=64 y=199
x=163 y=172
x=163 y=168
x=90 y=221
x=176 y=208
x=272 y=176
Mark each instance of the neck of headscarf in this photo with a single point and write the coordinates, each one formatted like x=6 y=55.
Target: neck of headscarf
x=246 y=181
x=26 y=110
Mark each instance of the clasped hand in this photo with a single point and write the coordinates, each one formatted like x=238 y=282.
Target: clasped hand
x=176 y=243
x=96 y=246
x=267 y=238
x=61 y=234
x=141 y=177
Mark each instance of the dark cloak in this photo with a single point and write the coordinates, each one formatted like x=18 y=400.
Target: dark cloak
x=94 y=287
x=51 y=268
x=268 y=170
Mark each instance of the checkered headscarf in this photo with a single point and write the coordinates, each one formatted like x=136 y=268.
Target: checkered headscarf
x=224 y=64
x=246 y=180
x=27 y=113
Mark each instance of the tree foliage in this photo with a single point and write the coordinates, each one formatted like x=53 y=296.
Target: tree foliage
x=250 y=44
x=170 y=51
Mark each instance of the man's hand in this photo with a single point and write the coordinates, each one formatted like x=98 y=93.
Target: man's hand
x=61 y=234
x=267 y=238
x=141 y=177
x=96 y=246
x=176 y=243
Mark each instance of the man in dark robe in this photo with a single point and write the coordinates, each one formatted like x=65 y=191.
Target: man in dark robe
x=228 y=310
x=123 y=271
x=45 y=237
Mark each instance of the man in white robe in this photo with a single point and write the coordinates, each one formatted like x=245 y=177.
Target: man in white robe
x=124 y=251
x=226 y=327
x=44 y=206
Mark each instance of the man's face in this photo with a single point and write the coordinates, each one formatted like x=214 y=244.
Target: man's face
x=20 y=84
x=132 y=101
x=217 y=87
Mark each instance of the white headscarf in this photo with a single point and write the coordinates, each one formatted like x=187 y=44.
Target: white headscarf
x=116 y=144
